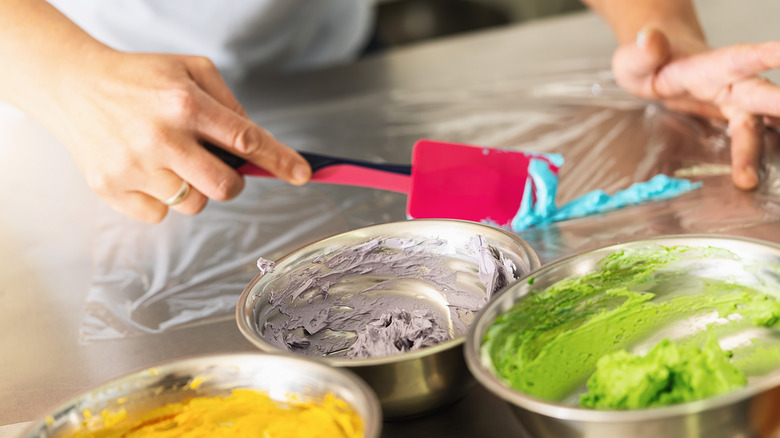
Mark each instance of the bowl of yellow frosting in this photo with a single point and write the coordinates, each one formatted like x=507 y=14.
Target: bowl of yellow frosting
x=222 y=395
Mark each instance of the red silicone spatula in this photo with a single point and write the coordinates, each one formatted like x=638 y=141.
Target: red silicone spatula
x=445 y=180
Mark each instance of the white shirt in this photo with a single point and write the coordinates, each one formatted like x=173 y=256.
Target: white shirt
x=235 y=34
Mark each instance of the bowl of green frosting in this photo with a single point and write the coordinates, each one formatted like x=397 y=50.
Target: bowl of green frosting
x=671 y=336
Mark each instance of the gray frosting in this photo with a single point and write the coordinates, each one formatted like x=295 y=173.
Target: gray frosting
x=265 y=266
x=384 y=296
x=395 y=332
x=495 y=271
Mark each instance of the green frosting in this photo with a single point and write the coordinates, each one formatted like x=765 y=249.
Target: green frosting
x=667 y=374
x=549 y=343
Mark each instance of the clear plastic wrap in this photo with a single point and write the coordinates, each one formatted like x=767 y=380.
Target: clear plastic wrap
x=191 y=270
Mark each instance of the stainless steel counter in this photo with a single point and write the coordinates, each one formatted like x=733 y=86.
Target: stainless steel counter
x=51 y=224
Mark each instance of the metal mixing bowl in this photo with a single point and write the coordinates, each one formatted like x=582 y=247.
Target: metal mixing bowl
x=414 y=382
x=277 y=375
x=748 y=412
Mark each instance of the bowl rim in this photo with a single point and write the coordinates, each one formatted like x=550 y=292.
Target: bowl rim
x=244 y=305
x=373 y=422
x=501 y=389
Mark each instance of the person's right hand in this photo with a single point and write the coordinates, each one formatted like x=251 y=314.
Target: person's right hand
x=135 y=123
x=724 y=83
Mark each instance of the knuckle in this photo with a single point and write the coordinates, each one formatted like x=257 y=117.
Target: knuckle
x=204 y=64
x=725 y=95
x=101 y=183
x=226 y=188
x=141 y=210
x=162 y=143
x=179 y=100
x=196 y=206
x=742 y=118
x=112 y=178
x=154 y=137
x=285 y=161
x=247 y=140
x=154 y=217
x=750 y=123
x=174 y=150
x=741 y=122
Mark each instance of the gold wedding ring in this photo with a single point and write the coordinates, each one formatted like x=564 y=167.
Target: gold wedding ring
x=179 y=196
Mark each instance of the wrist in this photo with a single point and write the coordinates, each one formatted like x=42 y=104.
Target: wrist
x=45 y=49
x=51 y=84
x=675 y=18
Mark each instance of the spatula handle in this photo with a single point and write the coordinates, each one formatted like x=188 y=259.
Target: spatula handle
x=333 y=170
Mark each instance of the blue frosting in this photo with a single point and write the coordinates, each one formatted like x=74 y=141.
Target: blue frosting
x=538 y=204
x=538 y=201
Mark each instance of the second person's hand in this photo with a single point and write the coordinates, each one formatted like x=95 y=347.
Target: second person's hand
x=686 y=75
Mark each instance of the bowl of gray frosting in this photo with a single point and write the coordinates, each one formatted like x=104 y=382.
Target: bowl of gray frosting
x=391 y=302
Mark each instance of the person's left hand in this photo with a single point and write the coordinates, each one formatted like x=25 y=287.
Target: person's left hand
x=686 y=75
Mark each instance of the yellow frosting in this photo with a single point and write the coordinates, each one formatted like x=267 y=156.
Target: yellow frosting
x=243 y=413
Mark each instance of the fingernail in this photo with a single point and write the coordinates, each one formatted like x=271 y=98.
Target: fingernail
x=641 y=36
x=751 y=175
x=300 y=173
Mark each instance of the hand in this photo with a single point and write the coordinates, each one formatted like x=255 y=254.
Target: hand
x=686 y=75
x=134 y=123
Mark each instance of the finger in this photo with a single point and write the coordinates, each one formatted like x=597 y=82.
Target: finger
x=635 y=66
x=746 y=142
x=164 y=184
x=771 y=121
x=693 y=106
x=242 y=137
x=138 y=206
x=743 y=61
x=208 y=78
x=756 y=95
x=206 y=173
x=705 y=75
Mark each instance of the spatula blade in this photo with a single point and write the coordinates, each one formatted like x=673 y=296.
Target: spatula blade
x=458 y=181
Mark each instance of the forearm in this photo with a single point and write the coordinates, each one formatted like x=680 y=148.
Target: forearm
x=39 y=48
x=628 y=17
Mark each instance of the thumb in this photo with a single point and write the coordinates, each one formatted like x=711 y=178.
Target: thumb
x=635 y=65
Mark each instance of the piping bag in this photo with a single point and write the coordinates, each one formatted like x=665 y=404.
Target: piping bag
x=444 y=180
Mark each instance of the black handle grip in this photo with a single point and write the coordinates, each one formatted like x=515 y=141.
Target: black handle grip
x=316 y=161
x=231 y=160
